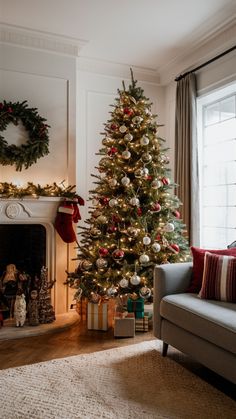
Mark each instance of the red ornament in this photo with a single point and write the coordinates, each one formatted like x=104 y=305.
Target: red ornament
x=103 y=251
x=174 y=248
x=112 y=151
x=158 y=238
x=114 y=127
x=111 y=229
x=128 y=111
x=149 y=177
x=104 y=201
x=116 y=218
x=176 y=214
x=165 y=181
x=9 y=110
x=156 y=207
x=139 y=211
x=118 y=254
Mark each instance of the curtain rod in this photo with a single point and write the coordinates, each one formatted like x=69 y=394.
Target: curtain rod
x=181 y=76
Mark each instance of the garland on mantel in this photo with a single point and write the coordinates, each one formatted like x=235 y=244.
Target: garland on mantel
x=38 y=140
x=9 y=190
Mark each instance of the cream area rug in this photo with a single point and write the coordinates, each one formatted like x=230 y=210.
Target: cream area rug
x=131 y=382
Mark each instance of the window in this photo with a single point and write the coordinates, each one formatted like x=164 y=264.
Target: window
x=217 y=160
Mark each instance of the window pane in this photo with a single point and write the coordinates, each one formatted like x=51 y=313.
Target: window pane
x=219 y=217
x=219 y=195
x=220 y=132
x=227 y=108
x=217 y=174
x=217 y=238
x=212 y=113
x=220 y=152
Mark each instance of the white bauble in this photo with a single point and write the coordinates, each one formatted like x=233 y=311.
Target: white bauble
x=144 y=141
x=128 y=137
x=135 y=279
x=156 y=247
x=134 y=202
x=169 y=228
x=113 y=202
x=144 y=258
x=125 y=181
x=146 y=240
x=145 y=171
x=124 y=283
x=123 y=129
x=156 y=184
x=126 y=154
x=112 y=182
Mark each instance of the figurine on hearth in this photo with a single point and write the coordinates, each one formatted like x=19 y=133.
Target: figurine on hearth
x=33 y=309
x=9 y=286
x=24 y=281
x=20 y=308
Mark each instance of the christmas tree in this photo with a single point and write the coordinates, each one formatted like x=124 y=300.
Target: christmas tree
x=134 y=216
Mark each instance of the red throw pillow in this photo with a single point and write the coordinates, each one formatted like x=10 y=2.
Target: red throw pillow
x=219 y=278
x=198 y=265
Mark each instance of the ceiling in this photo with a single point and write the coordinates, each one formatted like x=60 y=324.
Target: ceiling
x=149 y=34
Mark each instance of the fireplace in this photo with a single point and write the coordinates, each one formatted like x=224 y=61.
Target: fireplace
x=28 y=239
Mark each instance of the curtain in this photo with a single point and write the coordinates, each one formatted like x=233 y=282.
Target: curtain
x=186 y=156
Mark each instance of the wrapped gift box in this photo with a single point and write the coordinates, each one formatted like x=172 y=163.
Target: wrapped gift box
x=97 y=316
x=141 y=325
x=136 y=307
x=124 y=325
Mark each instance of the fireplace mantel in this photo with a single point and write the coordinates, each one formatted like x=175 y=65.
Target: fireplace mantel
x=28 y=210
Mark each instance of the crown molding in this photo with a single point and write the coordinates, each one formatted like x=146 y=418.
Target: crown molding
x=113 y=69
x=44 y=41
x=205 y=48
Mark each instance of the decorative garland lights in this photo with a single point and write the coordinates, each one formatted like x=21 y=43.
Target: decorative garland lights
x=36 y=146
x=9 y=190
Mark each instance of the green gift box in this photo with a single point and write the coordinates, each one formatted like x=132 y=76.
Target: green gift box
x=136 y=306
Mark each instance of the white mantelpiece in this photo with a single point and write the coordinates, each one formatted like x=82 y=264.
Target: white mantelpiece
x=43 y=211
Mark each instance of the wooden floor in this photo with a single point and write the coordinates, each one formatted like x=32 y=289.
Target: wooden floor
x=78 y=340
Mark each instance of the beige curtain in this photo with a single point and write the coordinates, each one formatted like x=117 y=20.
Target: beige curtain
x=186 y=161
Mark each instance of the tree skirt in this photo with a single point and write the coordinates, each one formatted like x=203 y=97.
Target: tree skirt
x=128 y=382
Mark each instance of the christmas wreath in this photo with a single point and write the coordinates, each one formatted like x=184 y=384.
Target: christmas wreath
x=37 y=144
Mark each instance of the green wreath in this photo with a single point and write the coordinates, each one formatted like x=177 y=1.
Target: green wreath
x=37 y=144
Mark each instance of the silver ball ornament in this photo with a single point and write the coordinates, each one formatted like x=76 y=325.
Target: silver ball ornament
x=126 y=154
x=144 y=258
x=112 y=182
x=146 y=157
x=123 y=129
x=146 y=240
x=156 y=247
x=125 y=181
x=144 y=141
x=101 y=263
x=112 y=291
x=134 y=202
x=156 y=184
x=135 y=279
x=169 y=228
x=124 y=283
x=113 y=202
x=145 y=292
x=128 y=137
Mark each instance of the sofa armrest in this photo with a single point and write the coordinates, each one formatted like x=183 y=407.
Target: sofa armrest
x=168 y=279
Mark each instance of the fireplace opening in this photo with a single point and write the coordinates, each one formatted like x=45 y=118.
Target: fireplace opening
x=23 y=245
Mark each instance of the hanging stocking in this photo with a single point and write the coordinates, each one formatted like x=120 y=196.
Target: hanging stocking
x=64 y=222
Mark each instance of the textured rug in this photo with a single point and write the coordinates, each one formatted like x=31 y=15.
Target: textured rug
x=124 y=383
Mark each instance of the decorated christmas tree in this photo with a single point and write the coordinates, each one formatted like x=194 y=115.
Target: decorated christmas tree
x=134 y=216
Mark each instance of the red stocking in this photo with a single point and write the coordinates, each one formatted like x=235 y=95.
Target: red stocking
x=64 y=222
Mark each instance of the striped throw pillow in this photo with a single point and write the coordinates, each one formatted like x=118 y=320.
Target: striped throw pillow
x=219 y=278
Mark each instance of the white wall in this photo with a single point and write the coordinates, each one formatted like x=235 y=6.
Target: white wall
x=95 y=93
x=47 y=81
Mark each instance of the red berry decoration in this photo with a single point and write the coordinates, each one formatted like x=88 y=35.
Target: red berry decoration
x=9 y=110
x=114 y=127
x=104 y=201
x=103 y=251
x=174 y=248
x=111 y=229
x=139 y=211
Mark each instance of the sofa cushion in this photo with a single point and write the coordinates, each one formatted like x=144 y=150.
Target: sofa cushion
x=219 y=278
x=198 y=265
x=214 y=321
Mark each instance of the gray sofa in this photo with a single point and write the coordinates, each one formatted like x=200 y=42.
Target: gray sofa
x=203 y=329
